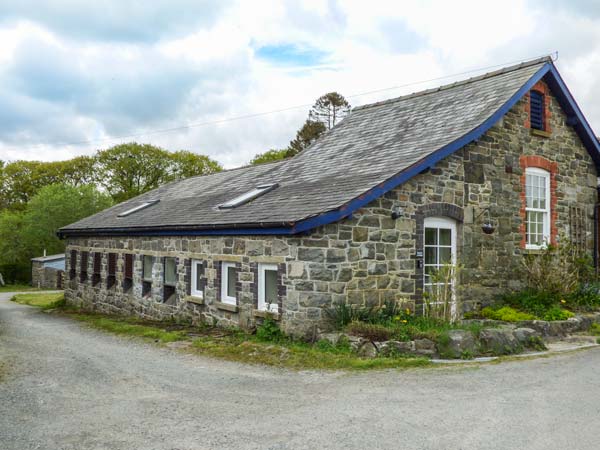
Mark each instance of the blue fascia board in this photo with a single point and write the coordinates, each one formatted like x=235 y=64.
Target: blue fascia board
x=425 y=163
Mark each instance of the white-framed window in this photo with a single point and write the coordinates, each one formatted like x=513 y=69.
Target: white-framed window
x=439 y=248
x=196 y=289
x=537 y=207
x=268 y=298
x=228 y=283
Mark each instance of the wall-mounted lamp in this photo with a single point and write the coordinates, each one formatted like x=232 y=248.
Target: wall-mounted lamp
x=396 y=212
x=487 y=227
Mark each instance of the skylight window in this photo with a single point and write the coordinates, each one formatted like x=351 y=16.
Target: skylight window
x=137 y=208
x=248 y=196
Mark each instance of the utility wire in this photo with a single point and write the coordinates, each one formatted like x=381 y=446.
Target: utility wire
x=554 y=56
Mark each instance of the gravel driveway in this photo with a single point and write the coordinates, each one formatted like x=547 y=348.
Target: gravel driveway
x=70 y=387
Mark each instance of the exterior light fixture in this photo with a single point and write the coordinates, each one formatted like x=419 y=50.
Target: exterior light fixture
x=396 y=212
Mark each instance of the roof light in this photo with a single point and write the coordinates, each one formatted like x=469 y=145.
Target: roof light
x=248 y=196
x=137 y=208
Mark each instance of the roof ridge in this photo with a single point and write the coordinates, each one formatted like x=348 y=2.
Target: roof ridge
x=463 y=82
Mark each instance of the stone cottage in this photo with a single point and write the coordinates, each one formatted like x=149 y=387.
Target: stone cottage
x=47 y=271
x=478 y=173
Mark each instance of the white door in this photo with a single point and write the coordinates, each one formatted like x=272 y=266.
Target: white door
x=439 y=250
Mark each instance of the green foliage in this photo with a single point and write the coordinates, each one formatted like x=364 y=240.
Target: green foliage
x=28 y=233
x=124 y=171
x=558 y=269
x=128 y=170
x=531 y=301
x=557 y=313
x=586 y=297
x=343 y=314
x=269 y=331
x=441 y=301
x=506 y=314
x=595 y=329
x=270 y=156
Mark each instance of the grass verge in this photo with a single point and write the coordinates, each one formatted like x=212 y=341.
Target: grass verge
x=44 y=301
x=229 y=344
x=17 y=288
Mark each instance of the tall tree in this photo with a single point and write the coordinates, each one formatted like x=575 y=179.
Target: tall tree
x=53 y=207
x=329 y=109
x=128 y=170
x=305 y=136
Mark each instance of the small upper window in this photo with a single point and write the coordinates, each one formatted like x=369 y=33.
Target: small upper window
x=248 y=196
x=536 y=110
x=138 y=208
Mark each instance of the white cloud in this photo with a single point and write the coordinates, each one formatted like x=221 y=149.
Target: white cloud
x=61 y=84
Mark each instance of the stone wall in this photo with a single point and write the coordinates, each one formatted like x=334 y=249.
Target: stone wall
x=370 y=257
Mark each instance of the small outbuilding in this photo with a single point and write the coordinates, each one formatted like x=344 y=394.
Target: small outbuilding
x=48 y=271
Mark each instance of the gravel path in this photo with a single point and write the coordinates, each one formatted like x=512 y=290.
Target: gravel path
x=70 y=387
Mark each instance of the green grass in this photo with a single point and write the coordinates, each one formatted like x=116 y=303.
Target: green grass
x=130 y=327
x=44 y=301
x=229 y=344
x=298 y=355
x=17 y=288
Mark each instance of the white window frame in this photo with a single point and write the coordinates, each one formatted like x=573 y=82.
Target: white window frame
x=195 y=290
x=545 y=211
x=262 y=303
x=440 y=223
x=224 y=279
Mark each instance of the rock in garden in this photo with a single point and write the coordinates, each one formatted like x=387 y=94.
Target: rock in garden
x=498 y=341
x=525 y=335
x=424 y=347
x=458 y=344
x=367 y=350
x=388 y=348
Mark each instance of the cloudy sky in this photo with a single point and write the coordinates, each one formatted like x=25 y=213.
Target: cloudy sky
x=76 y=75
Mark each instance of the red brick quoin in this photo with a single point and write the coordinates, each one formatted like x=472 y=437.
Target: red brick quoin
x=552 y=167
x=542 y=87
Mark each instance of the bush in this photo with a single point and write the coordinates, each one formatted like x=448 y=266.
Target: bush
x=269 y=331
x=531 y=301
x=557 y=313
x=389 y=311
x=586 y=297
x=506 y=314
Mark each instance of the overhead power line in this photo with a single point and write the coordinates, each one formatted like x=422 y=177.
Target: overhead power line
x=554 y=55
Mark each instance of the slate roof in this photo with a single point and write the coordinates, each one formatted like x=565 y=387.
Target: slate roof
x=371 y=146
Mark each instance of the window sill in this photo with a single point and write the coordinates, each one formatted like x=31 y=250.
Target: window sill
x=540 y=133
x=265 y=314
x=226 y=307
x=195 y=300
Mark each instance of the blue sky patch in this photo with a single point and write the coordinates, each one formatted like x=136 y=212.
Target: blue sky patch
x=291 y=55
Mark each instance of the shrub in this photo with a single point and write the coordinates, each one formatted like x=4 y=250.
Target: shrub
x=557 y=313
x=506 y=314
x=531 y=301
x=555 y=270
x=269 y=331
x=586 y=297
